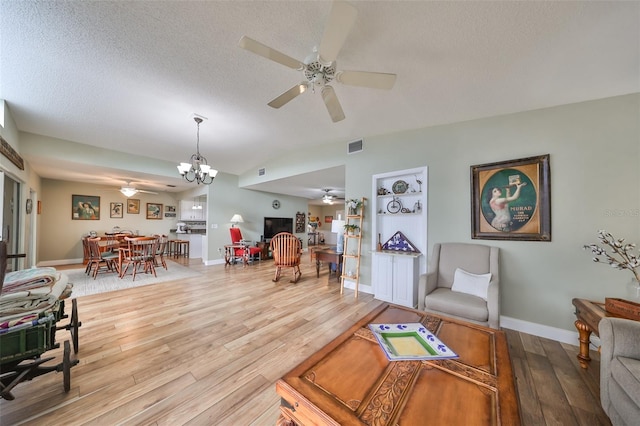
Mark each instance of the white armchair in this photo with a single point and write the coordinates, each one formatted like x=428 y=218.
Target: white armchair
x=481 y=305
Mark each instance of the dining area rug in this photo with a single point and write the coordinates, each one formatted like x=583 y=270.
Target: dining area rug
x=85 y=285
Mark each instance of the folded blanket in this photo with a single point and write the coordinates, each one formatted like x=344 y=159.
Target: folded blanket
x=35 y=299
x=29 y=278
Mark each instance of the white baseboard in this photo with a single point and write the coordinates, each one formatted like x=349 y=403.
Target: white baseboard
x=553 y=333
x=60 y=262
x=362 y=288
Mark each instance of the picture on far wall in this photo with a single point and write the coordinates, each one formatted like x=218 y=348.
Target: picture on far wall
x=116 y=210
x=85 y=207
x=154 y=211
x=511 y=200
x=328 y=219
x=133 y=206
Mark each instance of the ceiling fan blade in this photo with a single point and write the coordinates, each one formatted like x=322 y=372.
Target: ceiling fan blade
x=289 y=95
x=269 y=53
x=147 y=192
x=374 y=80
x=332 y=103
x=341 y=19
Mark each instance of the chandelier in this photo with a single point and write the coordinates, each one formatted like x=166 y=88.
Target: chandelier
x=198 y=170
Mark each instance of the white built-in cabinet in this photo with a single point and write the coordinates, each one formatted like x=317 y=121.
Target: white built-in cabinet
x=187 y=212
x=400 y=205
x=394 y=278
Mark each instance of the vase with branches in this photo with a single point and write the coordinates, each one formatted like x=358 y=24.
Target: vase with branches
x=622 y=255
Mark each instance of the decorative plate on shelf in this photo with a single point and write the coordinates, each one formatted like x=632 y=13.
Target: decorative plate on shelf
x=410 y=342
x=400 y=187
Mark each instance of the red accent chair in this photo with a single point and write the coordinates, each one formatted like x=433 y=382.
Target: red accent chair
x=249 y=251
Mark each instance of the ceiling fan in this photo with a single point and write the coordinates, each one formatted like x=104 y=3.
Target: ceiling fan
x=129 y=191
x=328 y=198
x=319 y=68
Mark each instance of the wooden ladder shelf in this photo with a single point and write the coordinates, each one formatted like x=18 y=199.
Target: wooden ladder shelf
x=352 y=249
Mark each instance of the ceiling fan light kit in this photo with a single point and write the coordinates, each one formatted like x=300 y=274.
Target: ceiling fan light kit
x=320 y=67
x=127 y=191
x=198 y=170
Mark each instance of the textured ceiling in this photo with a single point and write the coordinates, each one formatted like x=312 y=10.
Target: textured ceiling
x=128 y=75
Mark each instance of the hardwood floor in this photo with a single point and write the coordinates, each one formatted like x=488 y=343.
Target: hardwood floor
x=208 y=350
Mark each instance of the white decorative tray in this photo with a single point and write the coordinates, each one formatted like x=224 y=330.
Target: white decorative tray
x=410 y=342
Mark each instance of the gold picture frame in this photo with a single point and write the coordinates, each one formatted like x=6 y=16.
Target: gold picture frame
x=133 y=206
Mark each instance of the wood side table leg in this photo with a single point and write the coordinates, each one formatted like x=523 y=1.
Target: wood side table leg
x=585 y=334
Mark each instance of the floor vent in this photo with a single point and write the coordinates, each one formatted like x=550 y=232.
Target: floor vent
x=261 y=171
x=355 y=146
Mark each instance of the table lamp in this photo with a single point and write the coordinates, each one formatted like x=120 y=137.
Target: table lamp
x=337 y=227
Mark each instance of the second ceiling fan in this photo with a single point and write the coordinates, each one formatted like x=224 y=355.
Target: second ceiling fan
x=319 y=68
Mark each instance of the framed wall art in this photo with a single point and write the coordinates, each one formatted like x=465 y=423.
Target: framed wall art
x=85 y=207
x=511 y=200
x=154 y=211
x=116 y=210
x=133 y=206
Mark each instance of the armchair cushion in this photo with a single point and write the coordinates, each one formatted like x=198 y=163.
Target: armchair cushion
x=473 y=284
x=458 y=304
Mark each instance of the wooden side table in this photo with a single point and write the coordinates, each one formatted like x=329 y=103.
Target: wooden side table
x=588 y=316
x=266 y=250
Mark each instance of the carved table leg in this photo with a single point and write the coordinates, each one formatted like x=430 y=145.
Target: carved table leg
x=585 y=334
x=284 y=421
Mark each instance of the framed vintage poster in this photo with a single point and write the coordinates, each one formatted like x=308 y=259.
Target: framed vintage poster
x=154 y=211
x=85 y=207
x=116 y=210
x=511 y=200
x=328 y=219
x=133 y=206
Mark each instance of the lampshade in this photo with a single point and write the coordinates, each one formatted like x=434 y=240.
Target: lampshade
x=337 y=226
x=236 y=219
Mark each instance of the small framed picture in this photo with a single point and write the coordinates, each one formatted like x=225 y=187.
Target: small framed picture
x=328 y=219
x=154 y=211
x=116 y=210
x=85 y=207
x=133 y=206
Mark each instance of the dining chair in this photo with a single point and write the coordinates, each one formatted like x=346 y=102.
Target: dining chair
x=287 y=250
x=100 y=261
x=139 y=254
x=163 y=240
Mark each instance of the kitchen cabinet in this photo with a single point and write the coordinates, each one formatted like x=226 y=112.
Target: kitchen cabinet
x=195 y=245
x=395 y=278
x=187 y=211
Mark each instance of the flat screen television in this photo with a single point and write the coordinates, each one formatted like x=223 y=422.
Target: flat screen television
x=274 y=225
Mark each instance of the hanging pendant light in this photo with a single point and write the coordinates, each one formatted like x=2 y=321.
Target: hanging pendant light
x=198 y=170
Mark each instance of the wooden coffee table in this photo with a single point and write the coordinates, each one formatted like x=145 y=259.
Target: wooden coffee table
x=351 y=381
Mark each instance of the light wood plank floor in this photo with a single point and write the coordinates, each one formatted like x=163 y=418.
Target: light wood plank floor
x=208 y=350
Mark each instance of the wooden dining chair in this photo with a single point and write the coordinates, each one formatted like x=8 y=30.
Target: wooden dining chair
x=140 y=254
x=100 y=261
x=163 y=240
x=287 y=250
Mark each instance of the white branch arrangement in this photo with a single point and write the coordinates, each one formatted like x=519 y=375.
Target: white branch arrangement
x=622 y=256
